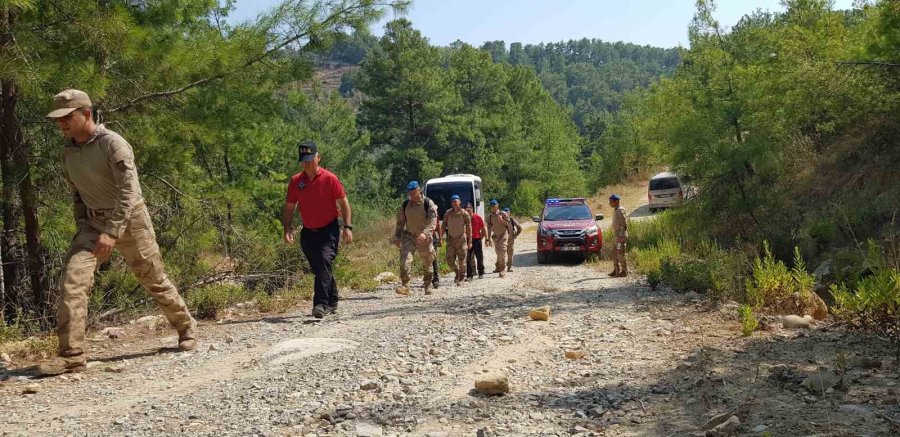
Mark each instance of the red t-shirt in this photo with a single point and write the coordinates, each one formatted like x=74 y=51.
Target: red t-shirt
x=317 y=198
x=477 y=225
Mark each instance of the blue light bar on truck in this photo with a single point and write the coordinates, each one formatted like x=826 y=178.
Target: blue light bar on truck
x=555 y=200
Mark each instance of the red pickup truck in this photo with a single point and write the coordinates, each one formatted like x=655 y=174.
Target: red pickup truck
x=567 y=225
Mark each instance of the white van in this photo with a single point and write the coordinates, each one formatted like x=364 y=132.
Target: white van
x=467 y=186
x=665 y=191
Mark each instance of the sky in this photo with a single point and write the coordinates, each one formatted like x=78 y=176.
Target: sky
x=661 y=23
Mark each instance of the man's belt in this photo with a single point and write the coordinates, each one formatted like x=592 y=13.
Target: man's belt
x=102 y=213
x=323 y=228
x=107 y=213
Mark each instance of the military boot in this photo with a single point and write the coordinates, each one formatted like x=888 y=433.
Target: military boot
x=624 y=272
x=427 y=288
x=59 y=365
x=509 y=269
x=615 y=272
x=186 y=340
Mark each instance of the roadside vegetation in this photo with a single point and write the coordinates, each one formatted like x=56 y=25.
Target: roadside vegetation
x=786 y=124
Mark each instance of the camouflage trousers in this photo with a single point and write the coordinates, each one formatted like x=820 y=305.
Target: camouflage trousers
x=424 y=251
x=618 y=254
x=501 y=243
x=138 y=246
x=510 y=251
x=456 y=255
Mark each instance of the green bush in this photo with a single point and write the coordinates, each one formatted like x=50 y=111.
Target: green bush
x=686 y=273
x=12 y=332
x=671 y=225
x=874 y=301
x=773 y=285
x=873 y=304
x=206 y=302
x=706 y=269
x=748 y=320
x=648 y=261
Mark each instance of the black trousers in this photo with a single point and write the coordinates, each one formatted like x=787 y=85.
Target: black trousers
x=476 y=252
x=321 y=248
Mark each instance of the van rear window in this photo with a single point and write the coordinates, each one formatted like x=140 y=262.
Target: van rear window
x=664 y=184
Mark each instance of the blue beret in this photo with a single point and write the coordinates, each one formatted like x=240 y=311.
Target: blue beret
x=506 y=209
x=614 y=197
x=494 y=202
x=454 y=197
x=412 y=186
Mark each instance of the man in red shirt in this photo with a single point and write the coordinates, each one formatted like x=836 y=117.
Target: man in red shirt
x=319 y=194
x=476 y=252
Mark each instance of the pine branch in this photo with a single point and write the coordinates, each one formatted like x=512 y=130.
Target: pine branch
x=250 y=62
x=871 y=63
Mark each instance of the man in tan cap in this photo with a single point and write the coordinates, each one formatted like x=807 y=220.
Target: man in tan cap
x=110 y=213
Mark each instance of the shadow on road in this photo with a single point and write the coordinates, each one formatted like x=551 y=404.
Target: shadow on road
x=136 y=355
x=579 y=301
x=528 y=258
x=641 y=212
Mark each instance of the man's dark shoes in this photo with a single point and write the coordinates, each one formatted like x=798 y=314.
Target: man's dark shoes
x=330 y=310
x=318 y=311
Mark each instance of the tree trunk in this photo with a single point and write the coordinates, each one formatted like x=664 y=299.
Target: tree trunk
x=9 y=248
x=37 y=266
x=3 y=311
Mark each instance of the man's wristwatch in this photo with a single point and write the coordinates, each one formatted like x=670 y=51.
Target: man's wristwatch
x=348 y=227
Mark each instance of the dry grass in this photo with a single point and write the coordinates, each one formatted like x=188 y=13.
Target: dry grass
x=370 y=254
x=633 y=194
x=31 y=348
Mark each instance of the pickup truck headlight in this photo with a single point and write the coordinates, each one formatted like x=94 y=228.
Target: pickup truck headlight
x=546 y=232
x=593 y=230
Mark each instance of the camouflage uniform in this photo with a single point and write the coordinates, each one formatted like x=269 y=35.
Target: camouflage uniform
x=108 y=199
x=412 y=221
x=620 y=231
x=459 y=234
x=514 y=230
x=498 y=233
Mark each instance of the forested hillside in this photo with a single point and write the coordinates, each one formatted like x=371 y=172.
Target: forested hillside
x=588 y=78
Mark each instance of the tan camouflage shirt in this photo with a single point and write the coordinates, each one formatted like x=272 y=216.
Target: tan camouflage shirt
x=496 y=225
x=619 y=224
x=458 y=223
x=415 y=219
x=103 y=179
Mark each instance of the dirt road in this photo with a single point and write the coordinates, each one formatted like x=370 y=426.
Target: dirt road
x=657 y=363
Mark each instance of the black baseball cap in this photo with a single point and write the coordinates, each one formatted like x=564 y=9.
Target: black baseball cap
x=308 y=150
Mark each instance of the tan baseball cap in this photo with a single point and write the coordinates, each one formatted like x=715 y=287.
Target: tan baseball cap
x=67 y=101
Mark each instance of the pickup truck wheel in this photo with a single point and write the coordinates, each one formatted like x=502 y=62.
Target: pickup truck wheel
x=543 y=257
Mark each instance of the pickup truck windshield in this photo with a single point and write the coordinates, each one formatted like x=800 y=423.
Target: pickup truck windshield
x=567 y=212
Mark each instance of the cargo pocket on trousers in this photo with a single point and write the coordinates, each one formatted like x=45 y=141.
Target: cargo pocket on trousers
x=141 y=228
